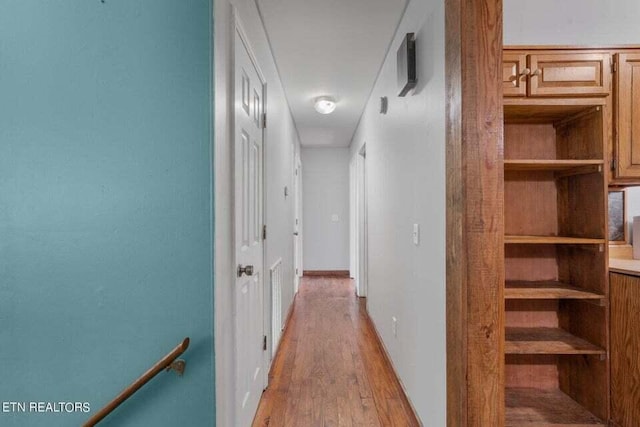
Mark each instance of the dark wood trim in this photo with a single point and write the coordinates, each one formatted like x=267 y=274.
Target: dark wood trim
x=475 y=181
x=326 y=273
x=456 y=313
x=406 y=403
x=572 y=47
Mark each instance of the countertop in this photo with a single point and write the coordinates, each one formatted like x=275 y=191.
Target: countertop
x=621 y=261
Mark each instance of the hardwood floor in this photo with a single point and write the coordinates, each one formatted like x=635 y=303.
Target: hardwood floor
x=330 y=369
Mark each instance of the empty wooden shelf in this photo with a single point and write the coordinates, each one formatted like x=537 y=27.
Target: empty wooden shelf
x=519 y=289
x=558 y=168
x=548 y=111
x=545 y=407
x=579 y=166
x=551 y=240
x=546 y=341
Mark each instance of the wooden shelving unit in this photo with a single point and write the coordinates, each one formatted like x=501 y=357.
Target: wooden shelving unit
x=556 y=289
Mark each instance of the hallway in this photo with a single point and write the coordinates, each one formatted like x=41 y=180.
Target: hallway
x=330 y=369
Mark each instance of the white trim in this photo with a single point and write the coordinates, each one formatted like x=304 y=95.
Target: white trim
x=353 y=221
x=297 y=214
x=223 y=217
x=362 y=227
x=239 y=27
x=266 y=34
x=275 y=283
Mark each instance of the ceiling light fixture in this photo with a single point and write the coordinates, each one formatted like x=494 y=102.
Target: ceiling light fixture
x=325 y=105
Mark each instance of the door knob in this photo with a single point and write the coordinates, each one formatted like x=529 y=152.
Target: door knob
x=248 y=270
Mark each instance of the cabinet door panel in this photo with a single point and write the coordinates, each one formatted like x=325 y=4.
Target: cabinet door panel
x=625 y=350
x=576 y=74
x=628 y=115
x=514 y=74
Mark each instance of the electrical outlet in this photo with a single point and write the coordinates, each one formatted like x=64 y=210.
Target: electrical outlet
x=394 y=326
x=335 y=218
x=416 y=234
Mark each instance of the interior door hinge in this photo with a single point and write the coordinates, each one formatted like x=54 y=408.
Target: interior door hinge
x=264 y=232
x=264 y=120
x=264 y=343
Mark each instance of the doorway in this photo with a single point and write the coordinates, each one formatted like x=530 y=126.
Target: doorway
x=398 y=143
x=362 y=235
x=297 y=228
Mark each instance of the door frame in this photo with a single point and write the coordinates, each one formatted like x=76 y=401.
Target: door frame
x=297 y=213
x=475 y=216
x=353 y=221
x=361 y=234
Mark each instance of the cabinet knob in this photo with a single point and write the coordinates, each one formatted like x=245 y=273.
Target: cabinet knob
x=537 y=72
x=525 y=72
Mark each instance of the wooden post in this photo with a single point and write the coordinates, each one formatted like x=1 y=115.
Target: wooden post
x=475 y=235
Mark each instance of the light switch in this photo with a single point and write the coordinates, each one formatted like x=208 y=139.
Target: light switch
x=416 y=234
x=335 y=218
x=394 y=325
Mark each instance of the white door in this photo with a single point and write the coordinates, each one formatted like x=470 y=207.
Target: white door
x=248 y=235
x=297 y=227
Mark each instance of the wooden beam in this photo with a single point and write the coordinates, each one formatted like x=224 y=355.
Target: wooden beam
x=475 y=246
x=326 y=273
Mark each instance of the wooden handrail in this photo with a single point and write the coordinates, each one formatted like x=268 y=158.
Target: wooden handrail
x=161 y=365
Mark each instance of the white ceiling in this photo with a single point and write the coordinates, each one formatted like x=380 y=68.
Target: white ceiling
x=329 y=47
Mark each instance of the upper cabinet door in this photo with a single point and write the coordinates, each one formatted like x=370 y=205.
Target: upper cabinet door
x=627 y=110
x=514 y=74
x=570 y=74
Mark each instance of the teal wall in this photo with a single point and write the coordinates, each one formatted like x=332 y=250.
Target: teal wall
x=105 y=207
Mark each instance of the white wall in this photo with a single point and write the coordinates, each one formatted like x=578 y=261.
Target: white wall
x=281 y=147
x=325 y=179
x=575 y=22
x=406 y=185
x=571 y=22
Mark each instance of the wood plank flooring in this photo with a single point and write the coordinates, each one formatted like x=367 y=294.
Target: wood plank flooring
x=330 y=369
